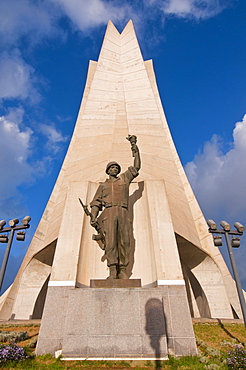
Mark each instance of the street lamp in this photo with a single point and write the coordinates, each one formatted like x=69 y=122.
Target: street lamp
x=8 y=238
x=234 y=242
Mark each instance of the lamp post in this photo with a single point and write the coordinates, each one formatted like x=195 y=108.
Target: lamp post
x=13 y=226
x=231 y=243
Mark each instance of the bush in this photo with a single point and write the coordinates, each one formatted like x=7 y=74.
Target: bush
x=237 y=358
x=13 y=336
x=11 y=352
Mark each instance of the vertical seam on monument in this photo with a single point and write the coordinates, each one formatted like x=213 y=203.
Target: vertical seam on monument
x=153 y=253
x=123 y=85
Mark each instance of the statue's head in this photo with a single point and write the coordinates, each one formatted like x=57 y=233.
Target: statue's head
x=112 y=164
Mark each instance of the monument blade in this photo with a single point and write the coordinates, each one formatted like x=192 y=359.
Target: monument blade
x=169 y=246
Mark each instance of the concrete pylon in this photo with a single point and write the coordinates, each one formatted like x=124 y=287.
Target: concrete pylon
x=171 y=246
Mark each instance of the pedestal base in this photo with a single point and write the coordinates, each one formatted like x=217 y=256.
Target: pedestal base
x=116 y=323
x=115 y=283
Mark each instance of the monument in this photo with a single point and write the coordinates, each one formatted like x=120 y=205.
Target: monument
x=171 y=271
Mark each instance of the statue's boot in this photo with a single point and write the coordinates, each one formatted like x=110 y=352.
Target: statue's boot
x=112 y=272
x=122 y=274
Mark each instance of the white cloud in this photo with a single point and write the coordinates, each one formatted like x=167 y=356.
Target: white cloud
x=39 y=19
x=178 y=6
x=35 y=19
x=18 y=162
x=17 y=78
x=54 y=137
x=88 y=14
x=198 y=9
x=219 y=178
x=14 y=153
x=194 y=8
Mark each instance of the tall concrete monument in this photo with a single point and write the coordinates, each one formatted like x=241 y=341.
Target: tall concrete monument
x=178 y=272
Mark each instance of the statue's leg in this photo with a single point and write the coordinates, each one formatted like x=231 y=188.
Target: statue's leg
x=110 y=228
x=123 y=242
x=122 y=274
x=112 y=272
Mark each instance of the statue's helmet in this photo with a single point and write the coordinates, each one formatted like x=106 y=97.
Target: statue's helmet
x=112 y=164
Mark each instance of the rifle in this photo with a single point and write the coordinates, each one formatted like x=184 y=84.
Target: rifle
x=99 y=235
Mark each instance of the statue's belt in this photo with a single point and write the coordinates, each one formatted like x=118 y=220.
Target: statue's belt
x=108 y=205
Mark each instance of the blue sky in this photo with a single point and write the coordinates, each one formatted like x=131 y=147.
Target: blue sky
x=199 y=52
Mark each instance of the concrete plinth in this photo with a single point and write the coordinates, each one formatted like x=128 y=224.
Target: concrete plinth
x=116 y=323
x=115 y=283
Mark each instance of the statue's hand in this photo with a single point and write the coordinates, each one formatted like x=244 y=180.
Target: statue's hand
x=134 y=148
x=132 y=139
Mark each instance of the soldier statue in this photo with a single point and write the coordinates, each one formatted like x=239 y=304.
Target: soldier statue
x=112 y=196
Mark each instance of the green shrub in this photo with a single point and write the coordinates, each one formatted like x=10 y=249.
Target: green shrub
x=13 y=336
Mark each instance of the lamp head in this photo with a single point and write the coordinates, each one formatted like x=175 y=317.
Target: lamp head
x=235 y=242
x=212 y=225
x=25 y=221
x=4 y=238
x=13 y=222
x=240 y=228
x=225 y=225
x=2 y=223
x=20 y=236
x=217 y=240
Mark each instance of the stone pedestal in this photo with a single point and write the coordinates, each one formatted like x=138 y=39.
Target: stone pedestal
x=117 y=323
x=115 y=283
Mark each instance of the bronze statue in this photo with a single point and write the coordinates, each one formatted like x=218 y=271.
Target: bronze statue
x=112 y=197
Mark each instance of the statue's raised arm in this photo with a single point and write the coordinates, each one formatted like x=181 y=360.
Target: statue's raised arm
x=135 y=151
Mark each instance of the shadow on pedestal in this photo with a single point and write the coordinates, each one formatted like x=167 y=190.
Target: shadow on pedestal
x=155 y=326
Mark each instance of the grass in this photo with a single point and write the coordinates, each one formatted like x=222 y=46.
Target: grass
x=48 y=362
x=214 y=341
